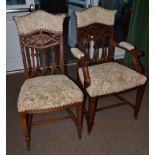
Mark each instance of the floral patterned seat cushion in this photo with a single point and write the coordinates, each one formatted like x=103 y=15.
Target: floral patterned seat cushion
x=110 y=78
x=46 y=92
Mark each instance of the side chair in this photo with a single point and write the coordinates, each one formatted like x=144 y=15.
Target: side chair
x=98 y=74
x=46 y=88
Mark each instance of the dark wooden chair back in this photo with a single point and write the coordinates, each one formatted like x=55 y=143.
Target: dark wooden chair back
x=39 y=43
x=99 y=30
x=37 y=49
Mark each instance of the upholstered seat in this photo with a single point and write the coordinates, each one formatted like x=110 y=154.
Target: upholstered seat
x=46 y=92
x=110 y=78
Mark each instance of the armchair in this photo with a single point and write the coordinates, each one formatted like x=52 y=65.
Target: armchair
x=99 y=75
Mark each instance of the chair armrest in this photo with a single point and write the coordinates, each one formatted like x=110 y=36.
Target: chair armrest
x=129 y=48
x=135 y=55
x=82 y=63
x=77 y=53
x=126 y=46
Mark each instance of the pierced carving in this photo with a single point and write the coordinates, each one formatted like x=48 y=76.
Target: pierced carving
x=41 y=40
x=34 y=53
x=94 y=32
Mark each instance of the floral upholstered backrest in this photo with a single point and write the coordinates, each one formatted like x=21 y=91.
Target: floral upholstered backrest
x=95 y=25
x=95 y=15
x=39 y=20
x=41 y=36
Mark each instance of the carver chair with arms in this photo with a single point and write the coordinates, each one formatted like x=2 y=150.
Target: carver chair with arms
x=98 y=74
x=46 y=88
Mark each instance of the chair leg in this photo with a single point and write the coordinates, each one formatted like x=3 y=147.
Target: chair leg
x=79 y=119
x=84 y=108
x=139 y=96
x=25 y=129
x=30 y=121
x=91 y=113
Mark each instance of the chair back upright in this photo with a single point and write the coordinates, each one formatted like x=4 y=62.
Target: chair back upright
x=40 y=34
x=96 y=25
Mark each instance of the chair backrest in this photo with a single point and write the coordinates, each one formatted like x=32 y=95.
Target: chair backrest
x=96 y=24
x=40 y=33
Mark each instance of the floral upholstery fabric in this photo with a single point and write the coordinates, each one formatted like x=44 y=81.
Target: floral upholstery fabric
x=111 y=78
x=39 y=20
x=126 y=45
x=95 y=15
x=50 y=91
x=77 y=53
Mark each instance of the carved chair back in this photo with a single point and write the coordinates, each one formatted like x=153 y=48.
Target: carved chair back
x=96 y=25
x=40 y=33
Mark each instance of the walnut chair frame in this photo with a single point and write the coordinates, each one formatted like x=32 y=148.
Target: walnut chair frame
x=90 y=27
x=33 y=44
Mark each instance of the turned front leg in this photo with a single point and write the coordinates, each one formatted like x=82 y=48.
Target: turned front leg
x=25 y=129
x=91 y=113
x=79 y=118
x=139 y=97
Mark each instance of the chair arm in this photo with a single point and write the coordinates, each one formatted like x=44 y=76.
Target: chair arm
x=82 y=63
x=135 y=55
x=126 y=46
x=77 y=53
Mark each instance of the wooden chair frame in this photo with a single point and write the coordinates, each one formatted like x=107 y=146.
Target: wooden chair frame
x=101 y=30
x=33 y=43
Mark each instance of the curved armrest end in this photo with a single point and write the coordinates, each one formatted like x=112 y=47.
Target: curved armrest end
x=126 y=46
x=140 y=53
x=77 y=53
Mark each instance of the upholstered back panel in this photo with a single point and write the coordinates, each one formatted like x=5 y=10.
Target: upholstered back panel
x=95 y=15
x=39 y=20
